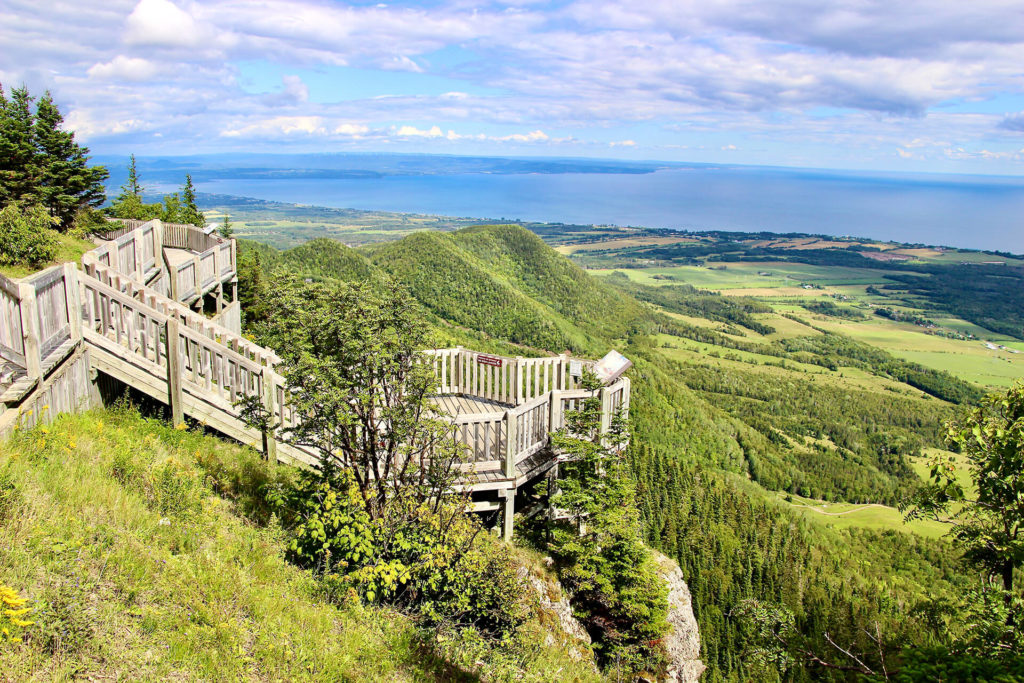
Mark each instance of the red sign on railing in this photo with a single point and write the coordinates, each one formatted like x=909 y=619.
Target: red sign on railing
x=489 y=360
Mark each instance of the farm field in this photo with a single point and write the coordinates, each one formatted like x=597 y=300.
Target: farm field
x=872 y=516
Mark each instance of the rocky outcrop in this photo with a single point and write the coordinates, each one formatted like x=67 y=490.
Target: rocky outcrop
x=682 y=643
x=556 y=614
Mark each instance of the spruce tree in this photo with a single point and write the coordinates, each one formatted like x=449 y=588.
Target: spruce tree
x=190 y=213
x=66 y=181
x=226 y=230
x=128 y=204
x=18 y=168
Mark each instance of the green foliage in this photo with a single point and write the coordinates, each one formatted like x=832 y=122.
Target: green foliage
x=226 y=230
x=613 y=585
x=927 y=665
x=128 y=204
x=430 y=558
x=116 y=584
x=26 y=236
x=40 y=163
x=190 y=213
x=988 y=521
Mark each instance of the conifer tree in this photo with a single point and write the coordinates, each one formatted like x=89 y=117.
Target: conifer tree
x=226 y=230
x=18 y=168
x=66 y=181
x=190 y=213
x=128 y=204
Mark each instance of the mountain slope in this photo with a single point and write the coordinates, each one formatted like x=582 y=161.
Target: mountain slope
x=149 y=553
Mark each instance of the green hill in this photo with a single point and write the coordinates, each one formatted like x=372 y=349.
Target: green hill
x=147 y=553
x=719 y=397
x=459 y=287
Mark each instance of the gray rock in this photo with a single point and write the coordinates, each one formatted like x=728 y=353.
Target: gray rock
x=682 y=642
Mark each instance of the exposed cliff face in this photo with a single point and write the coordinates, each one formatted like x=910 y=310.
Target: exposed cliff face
x=556 y=615
x=682 y=643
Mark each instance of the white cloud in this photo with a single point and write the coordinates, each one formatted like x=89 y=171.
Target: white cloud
x=124 y=69
x=279 y=125
x=161 y=23
x=414 y=132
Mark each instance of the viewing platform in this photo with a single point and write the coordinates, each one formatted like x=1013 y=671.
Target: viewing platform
x=134 y=315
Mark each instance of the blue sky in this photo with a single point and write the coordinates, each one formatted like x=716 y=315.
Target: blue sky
x=913 y=85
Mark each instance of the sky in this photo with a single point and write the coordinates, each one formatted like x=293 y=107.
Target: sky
x=907 y=85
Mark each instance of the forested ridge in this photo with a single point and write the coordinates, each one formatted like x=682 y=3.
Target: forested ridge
x=711 y=441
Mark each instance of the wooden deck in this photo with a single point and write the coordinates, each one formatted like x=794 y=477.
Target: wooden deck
x=125 y=314
x=455 y=405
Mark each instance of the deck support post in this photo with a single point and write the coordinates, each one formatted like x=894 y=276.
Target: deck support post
x=220 y=297
x=174 y=391
x=508 y=511
x=269 y=394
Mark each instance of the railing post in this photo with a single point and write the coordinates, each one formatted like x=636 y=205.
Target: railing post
x=606 y=412
x=269 y=392
x=74 y=300
x=30 y=330
x=137 y=249
x=562 y=370
x=197 y=273
x=517 y=381
x=174 y=390
x=510 y=444
x=555 y=411
x=457 y=360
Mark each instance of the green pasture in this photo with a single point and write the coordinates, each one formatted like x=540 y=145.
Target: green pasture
x=847 y=515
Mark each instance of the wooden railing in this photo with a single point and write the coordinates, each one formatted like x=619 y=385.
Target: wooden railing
x=538 y=392
x=502 y=378
x=186 y=316
x=136 y=250
x=12 y=341
x=133 y=253
x=38 y=321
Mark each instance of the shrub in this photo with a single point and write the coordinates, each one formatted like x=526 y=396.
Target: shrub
x=427 y=556
x=26 y=236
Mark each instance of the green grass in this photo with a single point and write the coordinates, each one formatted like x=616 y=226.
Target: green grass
x=137 y=570
x=70 y=249
x=848 y=515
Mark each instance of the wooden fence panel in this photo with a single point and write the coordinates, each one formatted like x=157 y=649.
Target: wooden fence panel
x=53 y=315
x=12 y=331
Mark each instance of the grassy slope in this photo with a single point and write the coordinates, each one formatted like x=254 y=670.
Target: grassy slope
x=137 y=570
x=70 y=248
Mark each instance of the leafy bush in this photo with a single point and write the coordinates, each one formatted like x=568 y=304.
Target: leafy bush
x=26 y=236
x=429 y=557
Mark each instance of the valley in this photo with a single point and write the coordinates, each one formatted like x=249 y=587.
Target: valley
x=770 y=393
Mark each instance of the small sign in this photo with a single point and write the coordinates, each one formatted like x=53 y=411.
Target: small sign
x=576 y=368
x=493 y=361
x=611 y=367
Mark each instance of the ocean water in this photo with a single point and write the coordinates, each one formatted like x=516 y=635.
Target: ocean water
x=979 y=212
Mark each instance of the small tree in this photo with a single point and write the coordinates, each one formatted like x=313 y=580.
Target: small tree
x=355 y=372
x=987 y=519
x=381 y=517
x=226 y=230
x=190 y=212
x=597 y=545
x=128 y=203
